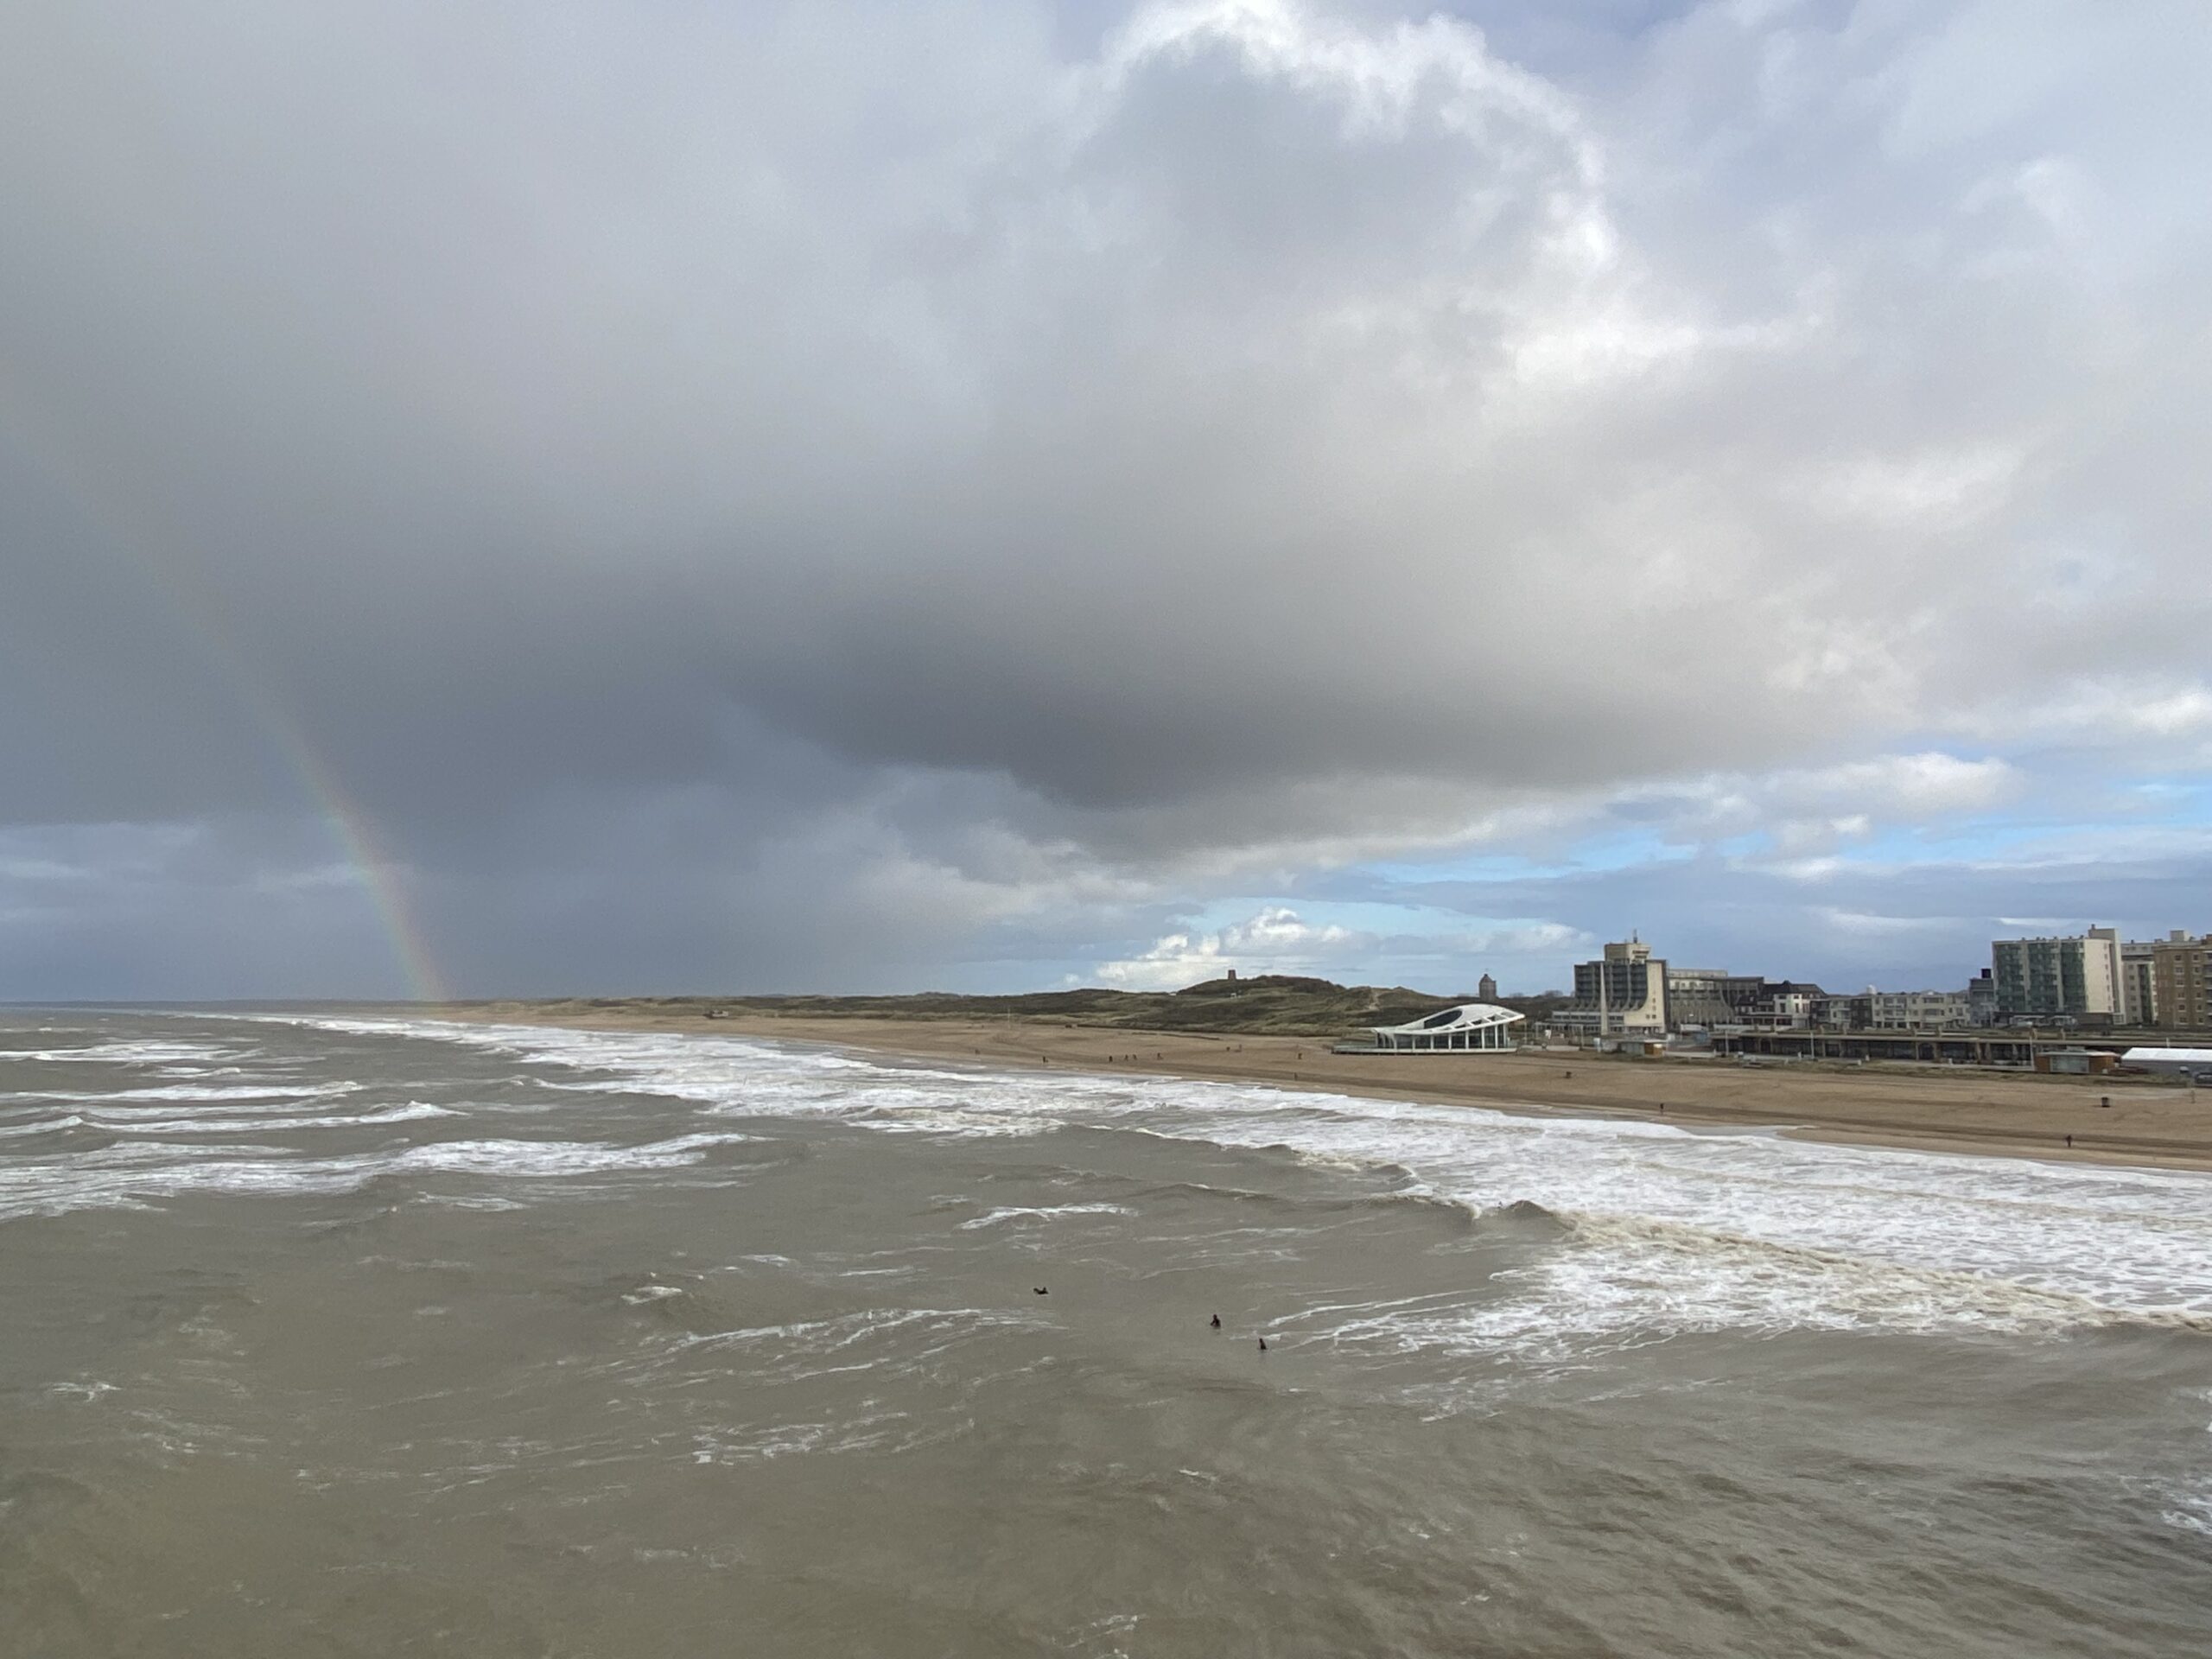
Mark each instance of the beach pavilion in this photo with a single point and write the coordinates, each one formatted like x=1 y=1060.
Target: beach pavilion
x=2190 y=1063
x=1471 y=1026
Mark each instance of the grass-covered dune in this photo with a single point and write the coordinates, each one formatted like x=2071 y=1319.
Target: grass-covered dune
x=1283 y=1003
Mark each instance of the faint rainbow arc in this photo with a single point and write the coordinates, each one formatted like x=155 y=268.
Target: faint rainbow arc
x=351 y=828
x=354 y=830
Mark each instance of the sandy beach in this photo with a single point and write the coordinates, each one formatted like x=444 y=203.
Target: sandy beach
x=1984 y=1112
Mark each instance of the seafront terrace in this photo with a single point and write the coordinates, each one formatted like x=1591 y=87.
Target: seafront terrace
x=1983 y=1047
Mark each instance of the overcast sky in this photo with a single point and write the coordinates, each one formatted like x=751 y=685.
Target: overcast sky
x=690 y=496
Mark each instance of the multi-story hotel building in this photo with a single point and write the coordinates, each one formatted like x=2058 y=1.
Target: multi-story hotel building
x=1622 y=991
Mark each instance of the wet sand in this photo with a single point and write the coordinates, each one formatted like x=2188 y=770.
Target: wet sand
x=1924 y=1108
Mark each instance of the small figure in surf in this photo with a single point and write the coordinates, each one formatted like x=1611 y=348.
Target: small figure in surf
x=1216 y=1321
x=1263 y=1344
x=1041 y=1291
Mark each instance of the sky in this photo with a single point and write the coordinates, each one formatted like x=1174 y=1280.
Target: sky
x=559 y=497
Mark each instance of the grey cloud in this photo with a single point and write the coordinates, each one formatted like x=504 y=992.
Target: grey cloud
x=857 y=488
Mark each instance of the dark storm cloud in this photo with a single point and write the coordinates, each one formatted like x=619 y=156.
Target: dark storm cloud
x=840 y=490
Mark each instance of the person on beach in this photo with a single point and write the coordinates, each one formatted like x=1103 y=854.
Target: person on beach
x=1216 y=1321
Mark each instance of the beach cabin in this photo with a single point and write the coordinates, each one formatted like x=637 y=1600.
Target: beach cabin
x=1471 y=1028
x=2074 y=1061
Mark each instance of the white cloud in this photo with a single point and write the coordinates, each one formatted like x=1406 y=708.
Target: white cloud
x=1865 y=922
x=1912 y=787
x=1933 y=488
x=2116 y=707
x=1272 y=941
x=1277 y=940
x=1801 y=838
x=1811 y=810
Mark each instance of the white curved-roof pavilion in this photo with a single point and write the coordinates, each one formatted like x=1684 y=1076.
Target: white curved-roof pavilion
x=1469 y=1025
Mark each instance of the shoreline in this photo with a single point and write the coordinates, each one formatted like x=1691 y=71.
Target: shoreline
x=1915 y=1110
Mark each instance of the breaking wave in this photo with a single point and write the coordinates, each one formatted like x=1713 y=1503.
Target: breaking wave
x=1658 y=1228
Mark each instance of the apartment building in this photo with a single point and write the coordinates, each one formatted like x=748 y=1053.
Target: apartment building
x=2139 y=991
x=1710 y=996
x=2181 y=974
x=2076 y=977
x=1918 y=1010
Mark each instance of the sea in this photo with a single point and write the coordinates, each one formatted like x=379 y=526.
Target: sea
x=357 y=1333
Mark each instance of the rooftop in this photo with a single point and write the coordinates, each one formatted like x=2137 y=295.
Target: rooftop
x=1468 y=1016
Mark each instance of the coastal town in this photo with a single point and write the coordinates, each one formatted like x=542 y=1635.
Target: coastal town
x=2084 y=1002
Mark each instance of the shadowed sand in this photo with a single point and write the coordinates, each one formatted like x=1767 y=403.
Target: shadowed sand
x=1924 y=1108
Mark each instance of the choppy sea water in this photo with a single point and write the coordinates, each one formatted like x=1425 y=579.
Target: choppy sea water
x=352 y=1336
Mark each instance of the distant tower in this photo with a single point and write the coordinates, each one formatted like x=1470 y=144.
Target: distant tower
x=1488 y=990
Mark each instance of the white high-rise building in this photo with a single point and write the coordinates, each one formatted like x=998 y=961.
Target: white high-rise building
x=1625 y=990
x=2074 y=976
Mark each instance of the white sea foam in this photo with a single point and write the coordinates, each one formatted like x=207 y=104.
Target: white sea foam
x=1023 y=1214
x=414 y=1112
x=42 y=1126
x=128 y=1053
x=185 y=1092
x=899 y=1339
x=2190 y=1509
x=134 y=1174
x=869 y=1431
x=1667 y=1230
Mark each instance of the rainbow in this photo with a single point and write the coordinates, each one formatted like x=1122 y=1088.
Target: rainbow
x=353 y=832
x=381 y=879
